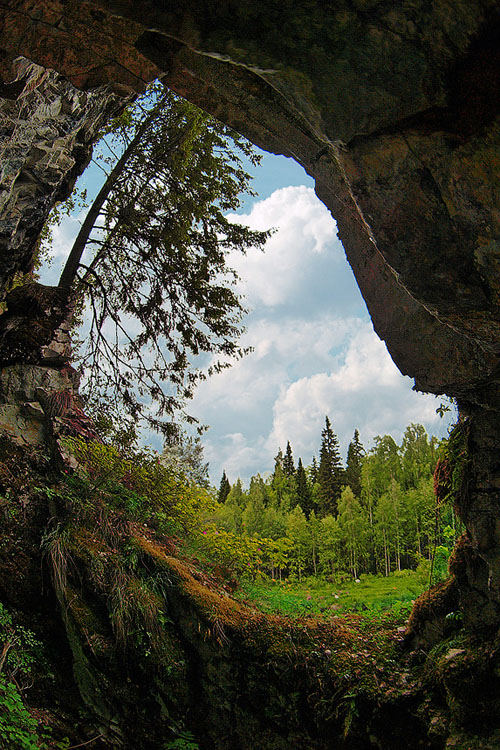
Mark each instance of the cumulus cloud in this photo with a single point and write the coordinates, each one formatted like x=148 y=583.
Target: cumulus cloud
x=305 y=228
x=366 y=392
x=234 y=451
x=355 y=382
x=315 y=351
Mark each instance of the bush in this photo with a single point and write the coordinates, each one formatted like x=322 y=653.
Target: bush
x=22 y=651
x=18 y=729
x=137 y=484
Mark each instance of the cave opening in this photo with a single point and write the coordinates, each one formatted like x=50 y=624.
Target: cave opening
x=416 y=210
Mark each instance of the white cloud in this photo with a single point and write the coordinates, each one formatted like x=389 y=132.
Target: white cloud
x=355 y=382
x=232 y=452
x=281 y=351
x=366 y=392
x=305 y=228
x=315 y=351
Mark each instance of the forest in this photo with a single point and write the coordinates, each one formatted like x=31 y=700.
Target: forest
x=375 y=515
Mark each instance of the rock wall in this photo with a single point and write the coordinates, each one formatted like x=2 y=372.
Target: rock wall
x=393 y=108
x=47 y=128
x=39 y=399
x=393 y=111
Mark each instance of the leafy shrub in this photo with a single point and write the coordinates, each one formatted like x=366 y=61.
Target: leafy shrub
x=248 y=556
x=138 y=484
x=440 y=565
x=185 y=741
x=18 y=729
x=21 y=651
x=21 y=657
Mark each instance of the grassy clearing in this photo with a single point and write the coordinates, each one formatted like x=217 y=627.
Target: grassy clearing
x=319 y=598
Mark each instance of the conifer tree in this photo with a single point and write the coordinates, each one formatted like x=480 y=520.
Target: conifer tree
x=150 y=261
x=313 y=470
x=236 y=494
x=278 y=481
x=288 y=465
x=224 y=489
x=278 y=461
x=330 y=473
x=355 y=454
x=304 y=497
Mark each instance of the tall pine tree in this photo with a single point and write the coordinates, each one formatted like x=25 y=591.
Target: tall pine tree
x=313 y=470
x=224 y=489
x=330 y=472
x=355 y=454
x=304 y=497
x=288 y=465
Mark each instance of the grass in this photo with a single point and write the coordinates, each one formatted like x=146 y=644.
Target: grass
x=319 y=598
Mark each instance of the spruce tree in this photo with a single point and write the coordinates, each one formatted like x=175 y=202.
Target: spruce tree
x=150 y=261
x=355 y=454
x=288 y=465
x=278 y=481
x=313 y=470
x=330 y=473
x=236 y=495
x=304 y=497
x=224 y=489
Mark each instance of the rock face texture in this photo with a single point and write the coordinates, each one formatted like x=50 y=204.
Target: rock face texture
x=39 y=398
x=47 y=128
x=394 y=109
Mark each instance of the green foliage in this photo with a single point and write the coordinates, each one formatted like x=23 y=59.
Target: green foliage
x=139 y=484
x=440 y=564
x=313 y=596
x=224 y=489
x=288 y=465
x=185 y=741
x=353 y=530
x=330 y=472
x=451 y=472
x=18 y=729
x=392 y=524
x=156 y=240
x=304 y=491
x=355 y=453
x=298 y=533
x=21 y=651
x=21 y=658
x=245 y=555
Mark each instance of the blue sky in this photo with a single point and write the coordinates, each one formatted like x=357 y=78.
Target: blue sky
x=315 y=351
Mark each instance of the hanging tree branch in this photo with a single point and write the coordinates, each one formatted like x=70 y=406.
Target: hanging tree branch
x=159 y=269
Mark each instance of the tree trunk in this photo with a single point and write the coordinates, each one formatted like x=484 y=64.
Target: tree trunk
x=74 y=258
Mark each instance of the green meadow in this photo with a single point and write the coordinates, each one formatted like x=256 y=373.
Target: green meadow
x=319 y=598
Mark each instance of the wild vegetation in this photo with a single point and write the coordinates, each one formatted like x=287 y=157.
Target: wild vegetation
x=376 y=516
x=174 y=642
x=147 y=276
x=139 y=612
